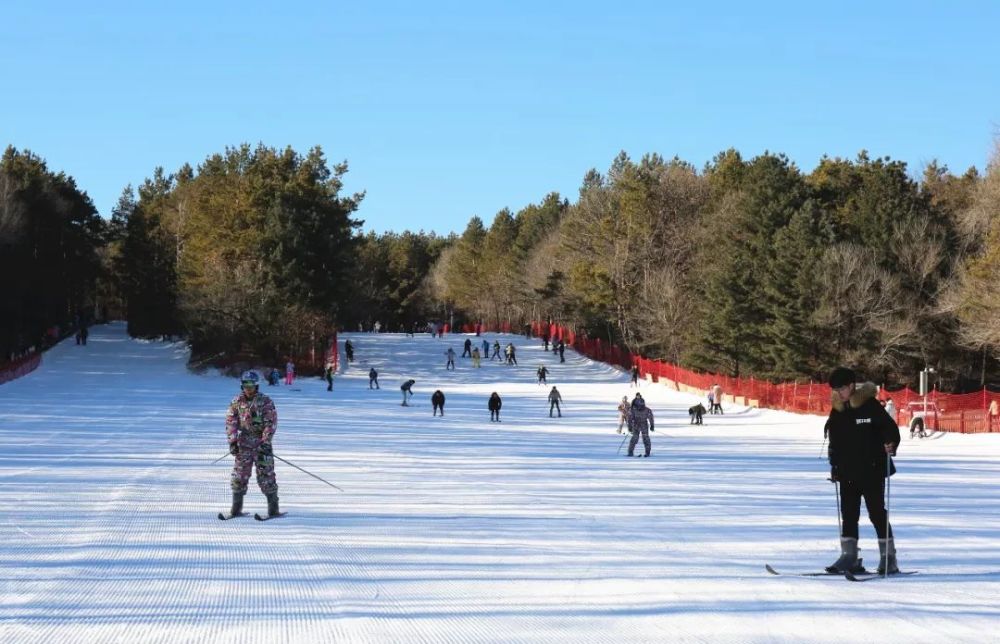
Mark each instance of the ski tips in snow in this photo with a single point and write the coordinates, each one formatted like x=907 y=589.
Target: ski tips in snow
x=268 y=517
x=226 y=517
x=875 y=575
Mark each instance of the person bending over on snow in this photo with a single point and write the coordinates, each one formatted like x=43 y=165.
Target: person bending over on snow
x=250 y=425
x=494 y=406
x=407 y=389
x=863 y=438
x=437 y=401
x=696 y=413
x=640 y=421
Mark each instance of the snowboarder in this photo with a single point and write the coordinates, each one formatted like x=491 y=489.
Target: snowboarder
x=407 y=389
x=349 y=350
x=289 y=372
x=640 y=421
x=451 y=359
x=328 y=376
x=623 y=408
x=554 y=399
x=862 y=441
x=476 y=358
x=494 y=406
x=696 y=413
x=437 y=401
x=373 y=378
x=542 y=372
x=250 y=425
x=467 y=349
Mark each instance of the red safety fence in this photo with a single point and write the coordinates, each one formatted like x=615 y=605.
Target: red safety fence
x=965 y=413
x=17 y=368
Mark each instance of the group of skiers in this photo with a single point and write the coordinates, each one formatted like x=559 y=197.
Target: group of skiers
x=862 y=440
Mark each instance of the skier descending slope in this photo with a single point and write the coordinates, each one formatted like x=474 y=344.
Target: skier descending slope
x=250 y=425
x=640 y=423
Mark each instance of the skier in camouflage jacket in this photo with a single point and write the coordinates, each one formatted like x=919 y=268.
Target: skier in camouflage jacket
x=250 y=425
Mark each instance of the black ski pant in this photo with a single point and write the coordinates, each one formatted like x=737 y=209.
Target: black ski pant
x=437 y=407
x=873 y=491
x=495 y=414
x=554 y=405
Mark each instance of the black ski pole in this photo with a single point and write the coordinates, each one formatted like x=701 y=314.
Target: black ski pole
x=306 y=472
x=220 y=458
x=888 y=497
x=822 y=445
x=622 y=443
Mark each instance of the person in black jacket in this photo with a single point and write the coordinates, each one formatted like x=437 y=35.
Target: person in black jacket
x=494 y=406
x=862 y=439
x=437 y=402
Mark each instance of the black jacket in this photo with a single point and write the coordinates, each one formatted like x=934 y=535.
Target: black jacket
x=858 y=429
x=437 y=398
x=495 y=403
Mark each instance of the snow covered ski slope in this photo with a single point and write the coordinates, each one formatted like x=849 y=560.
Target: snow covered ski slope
x=457 y=529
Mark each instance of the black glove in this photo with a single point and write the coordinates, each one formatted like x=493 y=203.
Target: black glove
x=234 y=448
x=264 y=449
x=651 y=428
x=834 y=473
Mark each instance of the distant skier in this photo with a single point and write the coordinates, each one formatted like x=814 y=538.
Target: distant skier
x=717 y=399
x=437 y=401
x=273 y=377
x=328 y=376
x=554 y=399
x=407 y=389
x=640 y=422
x=542 y=373
x=511 y=354
x=486 y=349
x=635 y=375
x=373 y=378
x=451 y=359
x=496 y=351
x=623 y=408
x=545 y=342
x=289 y=372
x=349 y=350
x=562 y=351
x=696 y=413
x=467 y=348
x=476 y=358
x=494 y=406
x=251 y=422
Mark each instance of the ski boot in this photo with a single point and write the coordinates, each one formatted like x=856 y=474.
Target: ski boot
x=237 y=508
x=887 y=557
x=272 y=505
x=848 y=561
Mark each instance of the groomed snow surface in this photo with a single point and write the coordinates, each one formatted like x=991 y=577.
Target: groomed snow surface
x=457 y=529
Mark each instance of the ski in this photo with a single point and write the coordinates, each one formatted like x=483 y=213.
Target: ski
x=871 y=576
x=227 y=517
x=860 y=575
x=261 y=517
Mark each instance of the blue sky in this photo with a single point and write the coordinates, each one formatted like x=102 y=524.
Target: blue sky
x=445 y=110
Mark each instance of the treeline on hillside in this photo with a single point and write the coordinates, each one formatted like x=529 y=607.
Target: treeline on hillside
x=746 y=267
x=754 y=268
x=51 y=240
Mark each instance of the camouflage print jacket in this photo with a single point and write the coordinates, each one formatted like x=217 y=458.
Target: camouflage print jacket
x=255 y=415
